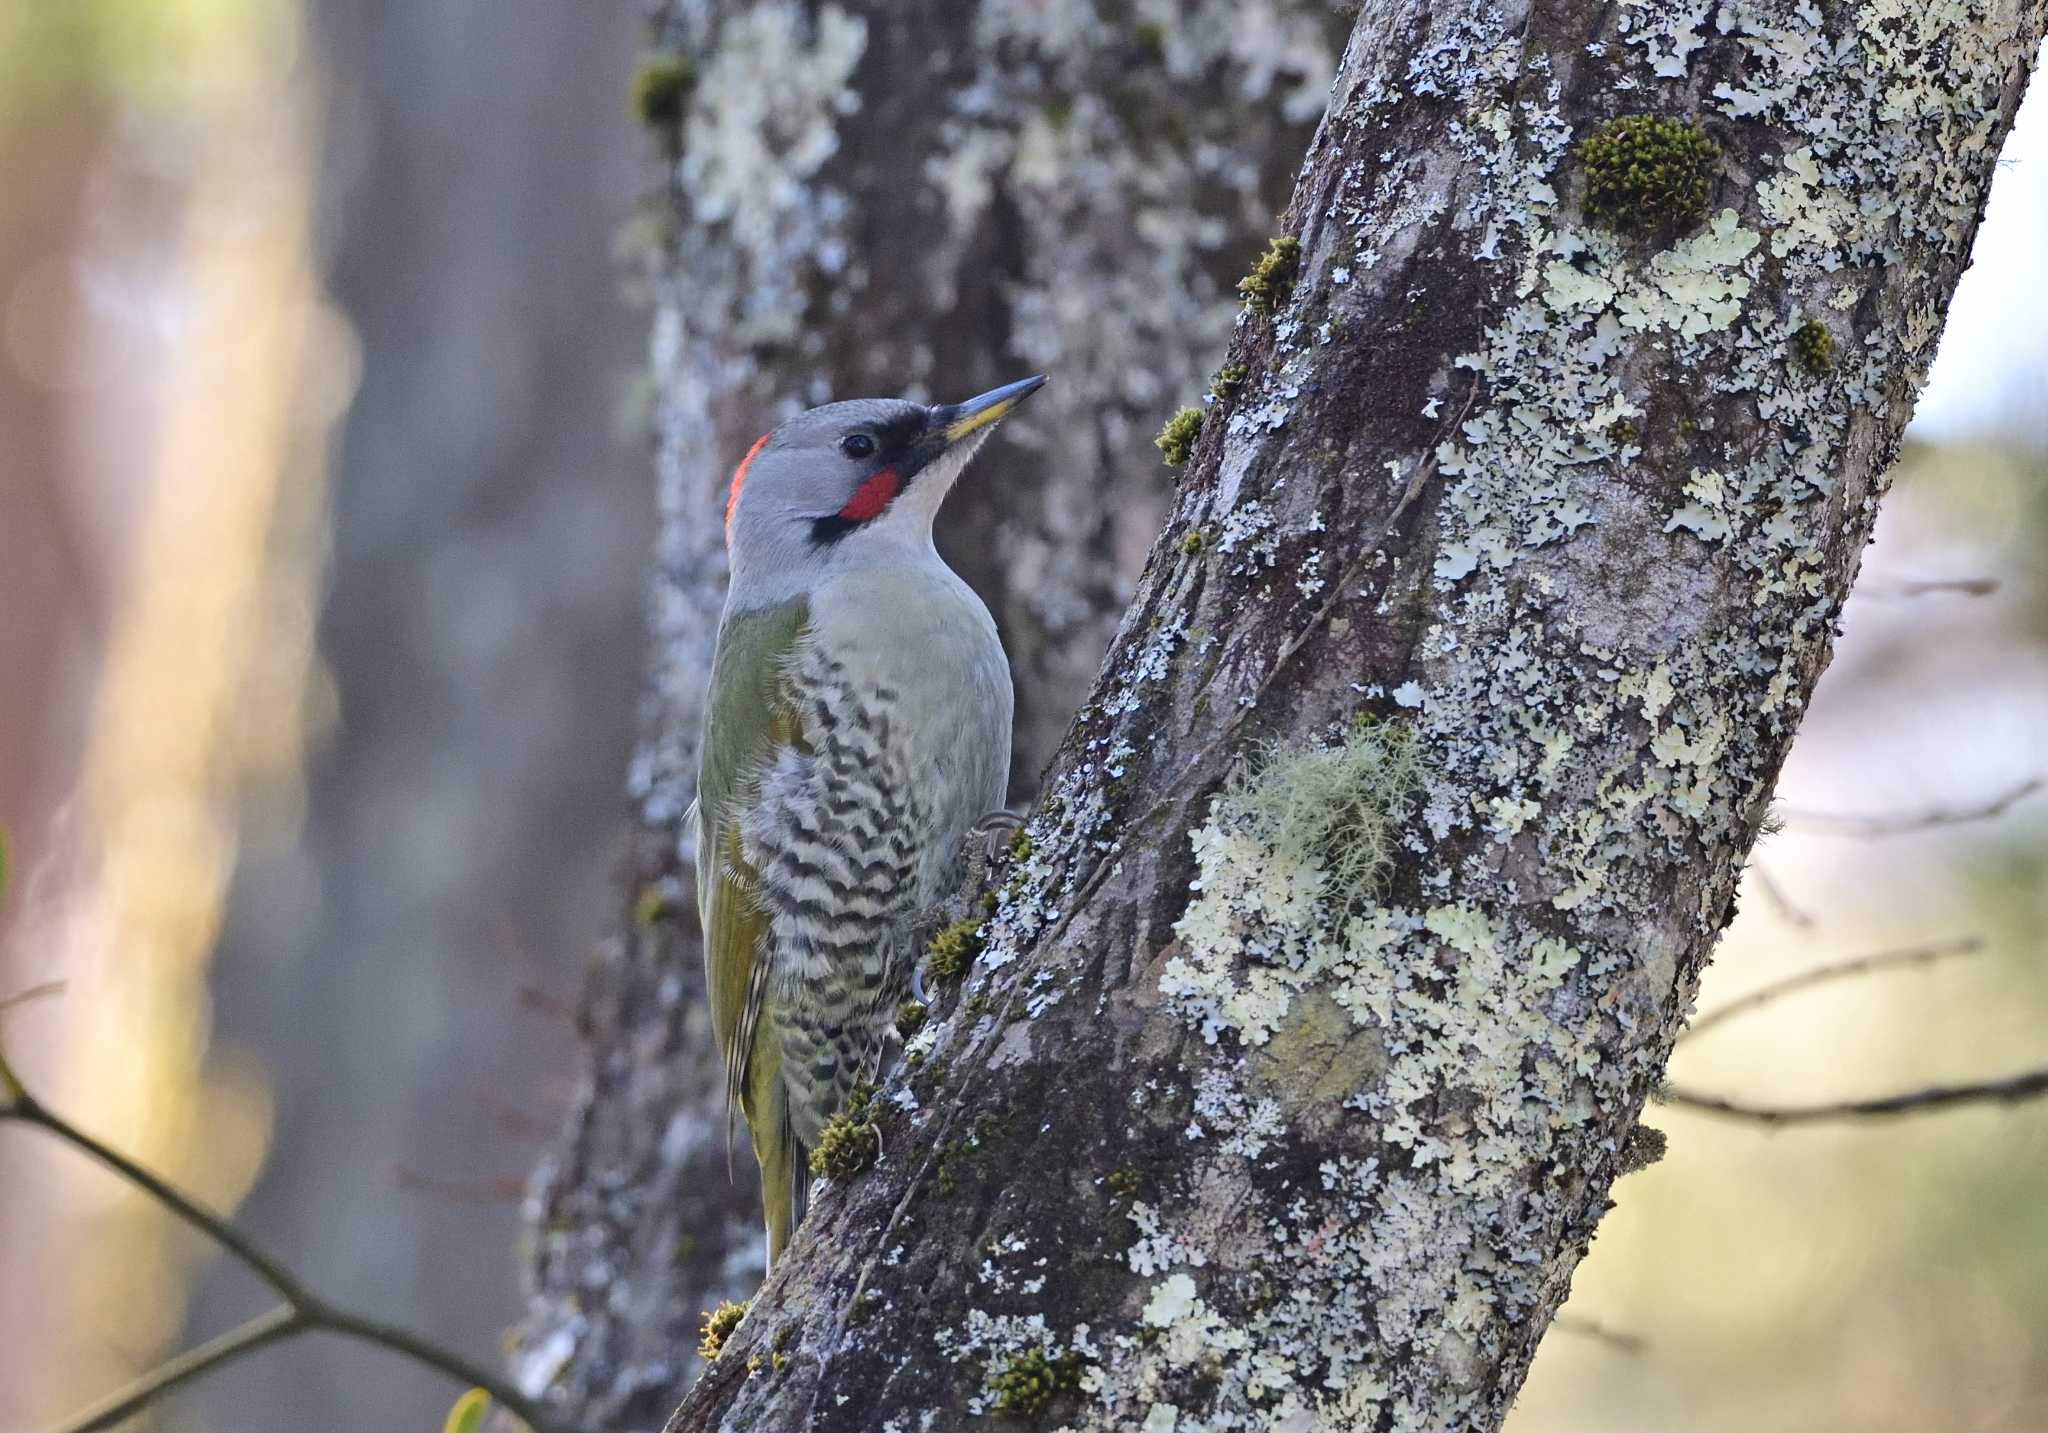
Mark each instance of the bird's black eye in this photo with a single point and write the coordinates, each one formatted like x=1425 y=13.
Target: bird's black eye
x=857 y=445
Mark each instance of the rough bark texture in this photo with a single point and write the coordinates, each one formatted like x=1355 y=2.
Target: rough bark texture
x=875 y=199
x=1525 y=540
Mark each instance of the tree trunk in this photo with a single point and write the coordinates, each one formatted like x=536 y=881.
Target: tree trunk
x=1376 y=877
x=864 y=200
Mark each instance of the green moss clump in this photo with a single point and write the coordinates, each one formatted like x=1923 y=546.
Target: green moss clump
x=659 y=92
x=1271 y=280
x=949 y=953
x=953 y=1150
x=1229 y=378
x=1020 y=845
x=650 y=906
x=910 y=1018
x=1622 y=432
x=1176 y=441
x=1194 y=542
x=849 y=1142
x=1645 y=173
x=1030 y=1380
x=718 y=1327
x=1814 y=347
x=1123 y=1183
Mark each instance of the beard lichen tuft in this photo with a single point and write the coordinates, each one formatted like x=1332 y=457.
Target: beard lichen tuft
x=1338 y=808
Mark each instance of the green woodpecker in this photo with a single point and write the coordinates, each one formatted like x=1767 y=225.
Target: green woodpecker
x=857 y=729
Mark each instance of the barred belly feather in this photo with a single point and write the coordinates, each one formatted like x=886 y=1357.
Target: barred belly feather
x=836 y=838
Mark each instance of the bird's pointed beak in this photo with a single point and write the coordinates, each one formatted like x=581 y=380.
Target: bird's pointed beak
x=954 y=421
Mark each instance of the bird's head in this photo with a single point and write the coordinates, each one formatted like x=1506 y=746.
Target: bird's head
x=851 y=479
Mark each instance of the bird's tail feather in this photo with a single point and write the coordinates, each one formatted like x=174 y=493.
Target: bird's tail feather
x=785 y=1177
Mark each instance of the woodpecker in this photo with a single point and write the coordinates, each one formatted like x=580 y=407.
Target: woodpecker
x=858 y=728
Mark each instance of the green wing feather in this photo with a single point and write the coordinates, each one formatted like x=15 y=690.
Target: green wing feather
x=752 y=718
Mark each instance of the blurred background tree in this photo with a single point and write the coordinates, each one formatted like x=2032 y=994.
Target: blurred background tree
x=324 y=523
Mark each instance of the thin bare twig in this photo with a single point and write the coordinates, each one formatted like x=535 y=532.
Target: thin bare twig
x=35 y=992
x=275 y=1326
x=1628 y=1343
x=541 y=1002
x=1791 y=914
x=512 y=1121
x=488 y=1189
x=1846 y=823
x=301 y=1311
x=1925 y=586
x=2010 y=1089
x=1912 y=955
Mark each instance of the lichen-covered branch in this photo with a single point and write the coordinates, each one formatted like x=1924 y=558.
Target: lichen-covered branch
x=1529 y=518
x=872 y=199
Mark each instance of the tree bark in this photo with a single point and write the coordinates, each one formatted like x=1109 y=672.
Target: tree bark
x=1227 y=1129
x=863 y=200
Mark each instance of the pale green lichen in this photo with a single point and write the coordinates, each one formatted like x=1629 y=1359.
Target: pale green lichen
x=1336 y=809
